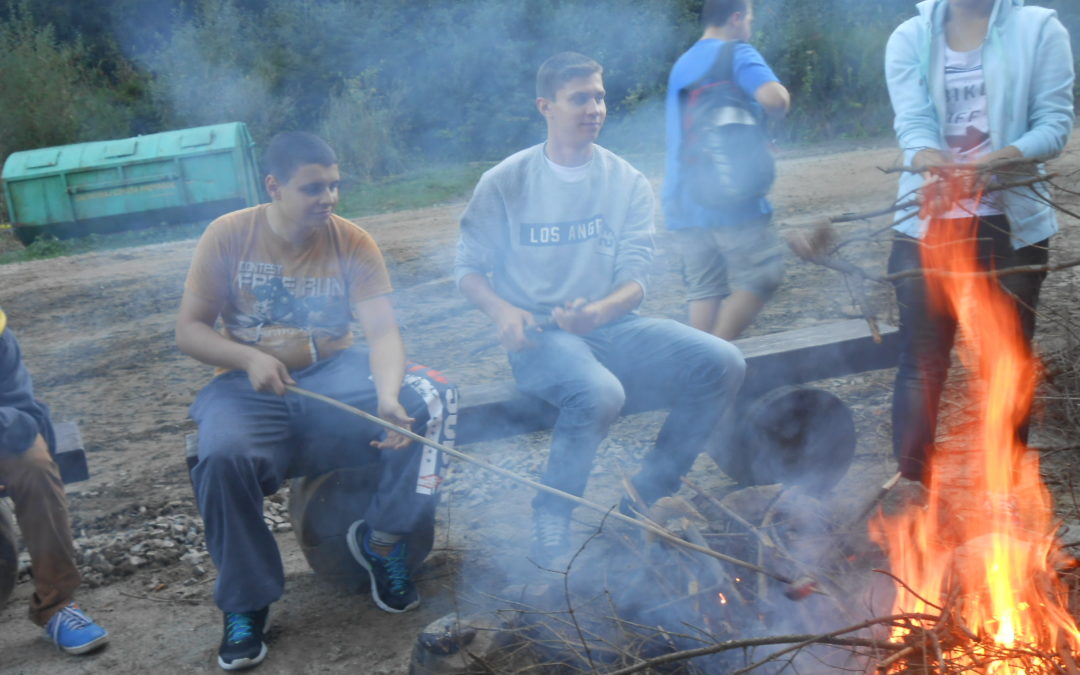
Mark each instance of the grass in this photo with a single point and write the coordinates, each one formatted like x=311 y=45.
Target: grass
x=416 y=189
x=11 y=250
x=413 y=190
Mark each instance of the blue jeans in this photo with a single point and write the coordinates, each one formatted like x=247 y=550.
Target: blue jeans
x=926 y=336
x=249 y=442
x=661 y=363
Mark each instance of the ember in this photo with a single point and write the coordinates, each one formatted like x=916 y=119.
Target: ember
x=976 y=562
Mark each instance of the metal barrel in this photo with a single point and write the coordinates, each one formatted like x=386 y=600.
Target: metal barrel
x=323 y=507
x=795 y=435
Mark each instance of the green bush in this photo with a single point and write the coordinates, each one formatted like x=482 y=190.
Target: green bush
x=50 y=91
x=214 y=68
x=361 y=125
x=395 y=84
x=830 y=56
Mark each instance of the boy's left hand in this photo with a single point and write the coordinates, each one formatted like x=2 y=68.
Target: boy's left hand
x=578 y=316
x=393 y=412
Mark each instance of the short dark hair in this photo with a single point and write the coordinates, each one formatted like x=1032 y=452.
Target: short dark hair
x=289 y=150
x=560 y=69
x=717 y=12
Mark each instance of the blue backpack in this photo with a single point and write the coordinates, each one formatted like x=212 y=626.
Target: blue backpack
x=725 y=155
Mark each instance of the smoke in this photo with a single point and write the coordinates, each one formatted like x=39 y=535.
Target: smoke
x=435 y=80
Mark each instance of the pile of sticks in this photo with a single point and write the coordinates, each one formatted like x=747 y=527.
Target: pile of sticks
x=627 y=603
x=941 y=645
x=627 y=598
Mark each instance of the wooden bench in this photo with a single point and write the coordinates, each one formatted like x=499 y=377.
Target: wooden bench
x=70 y=455
x=788 y=358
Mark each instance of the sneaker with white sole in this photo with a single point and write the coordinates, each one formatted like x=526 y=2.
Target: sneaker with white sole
x=551 y=537
x=242 y=643
x=75 y=632
x=392 y=586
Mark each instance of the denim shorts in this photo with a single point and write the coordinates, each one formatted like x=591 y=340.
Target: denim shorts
x=716 y=260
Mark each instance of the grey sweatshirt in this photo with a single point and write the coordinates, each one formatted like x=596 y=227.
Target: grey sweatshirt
x=546 y=241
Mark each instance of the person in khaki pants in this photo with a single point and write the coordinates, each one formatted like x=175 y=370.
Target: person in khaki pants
x=32 y=480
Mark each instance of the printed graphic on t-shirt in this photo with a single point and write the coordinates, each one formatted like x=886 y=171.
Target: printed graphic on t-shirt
x=267 y=297
x=967 y=129
x=574 y=232
x=967 y=126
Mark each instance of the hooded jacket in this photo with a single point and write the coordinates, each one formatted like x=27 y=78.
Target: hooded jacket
x=21 y=417
x=1028 y=69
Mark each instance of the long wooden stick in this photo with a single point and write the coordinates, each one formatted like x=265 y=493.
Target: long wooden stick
x=609 y=513
x=885 y=488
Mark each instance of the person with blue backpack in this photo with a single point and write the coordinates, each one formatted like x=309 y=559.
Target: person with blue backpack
x=719 y=171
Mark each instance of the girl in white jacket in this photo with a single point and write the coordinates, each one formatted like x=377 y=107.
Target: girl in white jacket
x=971 y=81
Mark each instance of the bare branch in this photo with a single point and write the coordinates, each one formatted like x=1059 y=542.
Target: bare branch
x=799 y=640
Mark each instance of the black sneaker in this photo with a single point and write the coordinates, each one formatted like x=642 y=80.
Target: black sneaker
x=551 y=537
x=391 y=584
x=242 y=644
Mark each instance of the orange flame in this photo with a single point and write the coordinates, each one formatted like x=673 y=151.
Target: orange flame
x=982 y=546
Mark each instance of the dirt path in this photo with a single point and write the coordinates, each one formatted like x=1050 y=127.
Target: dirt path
x=97 y=331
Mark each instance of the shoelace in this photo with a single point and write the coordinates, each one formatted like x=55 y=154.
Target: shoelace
x=238 y=627
x=70 y=617
x=550 y=531
x=397 y=571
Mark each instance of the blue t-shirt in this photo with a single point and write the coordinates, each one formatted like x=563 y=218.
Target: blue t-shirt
x=751 y=72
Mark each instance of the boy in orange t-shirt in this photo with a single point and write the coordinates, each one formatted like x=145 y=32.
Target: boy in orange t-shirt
x=286 y=279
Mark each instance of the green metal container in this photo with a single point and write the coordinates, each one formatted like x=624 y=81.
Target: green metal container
x=183 y=176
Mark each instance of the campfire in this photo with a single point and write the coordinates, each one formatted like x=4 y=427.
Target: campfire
x=628 y=602
x=977 y=568
x=969 y=581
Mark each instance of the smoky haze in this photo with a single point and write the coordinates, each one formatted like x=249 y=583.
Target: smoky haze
x=389 y=84
x=395 y=85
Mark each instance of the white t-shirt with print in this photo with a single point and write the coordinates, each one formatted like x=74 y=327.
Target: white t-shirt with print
x=967 y=127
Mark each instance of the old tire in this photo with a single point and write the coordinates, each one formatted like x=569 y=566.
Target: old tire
x=792 y=435
x=323 y=507
x=9 y=554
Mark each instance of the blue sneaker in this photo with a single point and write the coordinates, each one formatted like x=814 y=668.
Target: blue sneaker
x=74 y=631
x=242 y=643
x=391 y=584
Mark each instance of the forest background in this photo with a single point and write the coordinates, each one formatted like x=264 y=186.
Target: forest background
x=399 y=84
